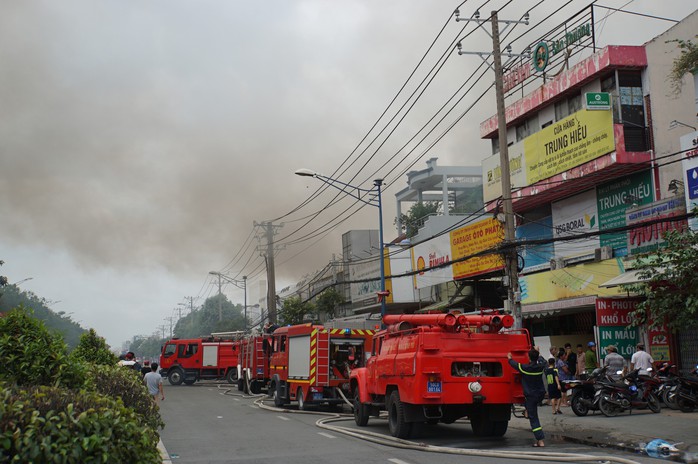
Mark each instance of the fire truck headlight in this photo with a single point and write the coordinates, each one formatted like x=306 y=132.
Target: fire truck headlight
x=475 y=387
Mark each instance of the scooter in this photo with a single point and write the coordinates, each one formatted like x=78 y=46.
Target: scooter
x=582 y=399
x=686 y=392
x=629 y=393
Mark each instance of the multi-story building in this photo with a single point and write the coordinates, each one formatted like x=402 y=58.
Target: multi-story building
x=590 y=151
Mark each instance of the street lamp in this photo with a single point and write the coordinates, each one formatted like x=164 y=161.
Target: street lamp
x=23 y=280
x=370 y=197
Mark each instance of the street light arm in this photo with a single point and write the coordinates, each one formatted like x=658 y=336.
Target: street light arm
x=342 y=186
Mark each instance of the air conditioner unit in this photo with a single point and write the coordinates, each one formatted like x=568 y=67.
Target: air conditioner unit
x=557 y=263
x=605 y=252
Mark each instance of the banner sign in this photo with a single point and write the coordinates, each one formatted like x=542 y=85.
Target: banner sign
x=492 y=172
x=572 y=217
x=428 y=254
x=613 y=199
x=536 y=257
x=472 y=239
x=651 y=237
x=581 y=137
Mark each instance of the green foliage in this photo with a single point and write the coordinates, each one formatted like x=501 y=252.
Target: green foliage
x=93 y=349
x=470 y=201
x=52 y=424
x=417 y=215
x=686 y=62
x=294 y=311
x=69 y=330
x=147 y=347
x=204 y=321
x=31 y=355
x=328 y=301
x=671 y=288
x=127 y=385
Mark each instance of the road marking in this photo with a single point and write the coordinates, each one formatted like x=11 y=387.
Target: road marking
x=219 y=417
x=397 y=461
x=326 y=435
x=283 y=417
x=236 y=399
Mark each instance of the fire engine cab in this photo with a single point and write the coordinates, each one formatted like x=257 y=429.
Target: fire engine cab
x=310 y=362
x=188 y=360
x=430 y=368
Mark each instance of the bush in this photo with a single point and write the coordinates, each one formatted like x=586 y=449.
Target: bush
x=127 y=385
x=31 y=355
x=93 y=349
x=53 y=424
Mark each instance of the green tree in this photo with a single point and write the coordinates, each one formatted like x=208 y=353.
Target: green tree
x=205 y=320
x=470 y=201
x=32 y=355
x=671 y=285
x=685 y=63
x=93 y=349
x=295 y=311
x=328 y=301
x=417 y=215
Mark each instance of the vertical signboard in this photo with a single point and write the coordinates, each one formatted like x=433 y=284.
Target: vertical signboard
x=689 y=145
x=426 y=255
x=613 y=199
x=536 y=257
x=612 y=319
x=492 y=172
x=365 y=280
x=572 y=217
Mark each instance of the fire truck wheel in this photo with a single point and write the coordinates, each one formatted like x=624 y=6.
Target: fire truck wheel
x=189 y=381
x=277 y=394
x=361 y=411
x=241 y=385
x=176 y=376
x=399 y=427
x=301 y=399
x=231 y=376
x=255 y=387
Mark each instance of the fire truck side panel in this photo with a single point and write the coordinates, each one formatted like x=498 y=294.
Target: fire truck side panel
x=210 y=357
x=299 y=357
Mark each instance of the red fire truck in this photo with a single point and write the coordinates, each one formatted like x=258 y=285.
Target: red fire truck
x=431 y=368
x=188 y=360
x=253 y=363
x=310 y=362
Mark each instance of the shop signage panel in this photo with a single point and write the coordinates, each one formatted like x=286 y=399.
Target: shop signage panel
x=428 y=254
x=536 y=257
x=570 y=282
x=623 y=338
x=644 y=239
x=472 y=239
x=598 y=100
x=572 y=217
x=360 y=270
x=492 y=172
x=581 y=137
x=613 y=200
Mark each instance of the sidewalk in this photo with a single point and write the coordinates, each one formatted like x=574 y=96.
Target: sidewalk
x=625 y=431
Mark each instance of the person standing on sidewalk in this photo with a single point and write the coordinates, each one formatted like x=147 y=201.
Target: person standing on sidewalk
x=642 y=360
x=590 y=361
x=581 y=362
x=554 y=387
x=614 y=362
x=154 y=382
x=534 y=390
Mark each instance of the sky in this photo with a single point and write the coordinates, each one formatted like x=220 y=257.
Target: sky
x=140 y=142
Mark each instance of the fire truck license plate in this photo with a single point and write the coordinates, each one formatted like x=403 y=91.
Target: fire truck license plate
x=434 y=387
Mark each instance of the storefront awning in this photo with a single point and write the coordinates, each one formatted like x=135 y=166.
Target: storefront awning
x=626 y=278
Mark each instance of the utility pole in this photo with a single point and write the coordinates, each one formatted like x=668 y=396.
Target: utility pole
x=511 y=273
x=170 y=319
x=220 y=299
x=162 y=329
x=269 y=231
x=244 y=284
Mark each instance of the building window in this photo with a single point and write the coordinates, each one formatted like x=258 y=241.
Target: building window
x=569 y=106
x=530 y=126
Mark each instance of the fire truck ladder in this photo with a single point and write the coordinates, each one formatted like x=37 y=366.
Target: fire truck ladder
x=320 y=356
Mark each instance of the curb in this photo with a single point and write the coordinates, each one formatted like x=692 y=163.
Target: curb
x=163 y=453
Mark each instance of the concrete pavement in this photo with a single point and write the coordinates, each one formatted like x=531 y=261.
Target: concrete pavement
x=627 y=431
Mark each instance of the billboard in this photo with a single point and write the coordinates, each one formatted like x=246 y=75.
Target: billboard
x=581 y=137
x=492 y=172
x=612 y=201
x=428 y=254
x=472 y=239
x=644 y=239
x=574 y=216
x=536 y=257
x=364 y=291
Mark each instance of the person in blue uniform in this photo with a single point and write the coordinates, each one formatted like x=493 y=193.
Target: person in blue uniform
x=534 y=390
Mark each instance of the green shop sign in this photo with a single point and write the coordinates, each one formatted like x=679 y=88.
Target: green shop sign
x=544 y=51
x=598 y=101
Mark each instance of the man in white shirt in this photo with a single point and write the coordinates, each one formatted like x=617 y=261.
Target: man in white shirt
x=641 y=360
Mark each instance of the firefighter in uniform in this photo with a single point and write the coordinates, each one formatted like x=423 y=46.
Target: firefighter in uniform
x=534 y=391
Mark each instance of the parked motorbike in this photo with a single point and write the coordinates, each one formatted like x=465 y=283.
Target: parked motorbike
x=685 y=393
x=581 y=392
x=669 y=378
x=631 y=392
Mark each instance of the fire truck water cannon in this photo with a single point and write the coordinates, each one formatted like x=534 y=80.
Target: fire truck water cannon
x=486 y=323
x=449 y=322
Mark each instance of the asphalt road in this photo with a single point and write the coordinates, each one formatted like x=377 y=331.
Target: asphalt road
x=212 y=423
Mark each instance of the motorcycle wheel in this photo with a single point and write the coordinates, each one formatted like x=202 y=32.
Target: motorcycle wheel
x=607 y=408
x=669 y=399
x=577 y=406
x=653 y=403
x=685 y=405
